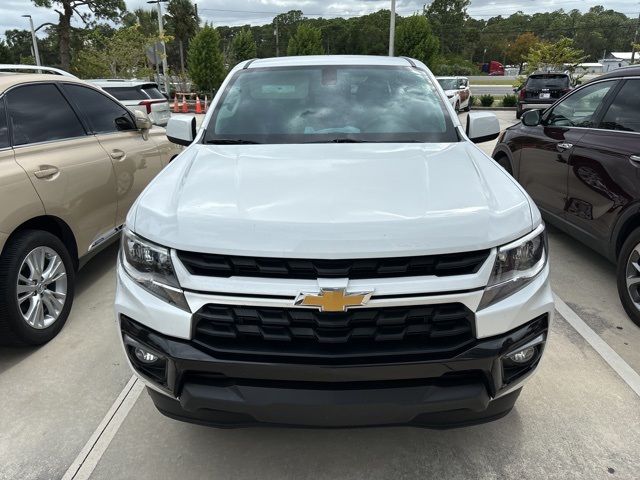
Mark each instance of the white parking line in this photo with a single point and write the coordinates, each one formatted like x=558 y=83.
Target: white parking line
x=615 y=361
x=92 y=452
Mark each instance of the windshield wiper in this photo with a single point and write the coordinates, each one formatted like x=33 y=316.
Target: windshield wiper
x=231 y=141
x=341 y=140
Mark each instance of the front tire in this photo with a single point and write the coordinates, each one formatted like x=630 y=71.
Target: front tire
x=37 y=283
x=628 y=276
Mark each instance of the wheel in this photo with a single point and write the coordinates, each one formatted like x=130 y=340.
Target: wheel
x=518 y=113
x=504 y=162
x=36 y=288
x=628 y=276
x=468 y=107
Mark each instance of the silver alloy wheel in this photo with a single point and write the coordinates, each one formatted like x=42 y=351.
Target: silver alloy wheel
x=633 y=276
x=41 y=287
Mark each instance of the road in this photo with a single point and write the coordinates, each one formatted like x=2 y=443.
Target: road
x=577 y=418
x=495 y=90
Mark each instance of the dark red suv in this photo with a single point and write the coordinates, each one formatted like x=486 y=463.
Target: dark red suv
x=580 y=161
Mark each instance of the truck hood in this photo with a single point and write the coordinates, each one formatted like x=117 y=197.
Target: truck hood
x=332 y=201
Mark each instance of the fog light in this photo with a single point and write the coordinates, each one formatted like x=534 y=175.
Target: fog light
x=523 y=356
x=145 y=356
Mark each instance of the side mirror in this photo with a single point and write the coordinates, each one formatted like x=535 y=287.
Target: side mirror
x=482 y=127
x=142 y=120
x=531 y=118
x=181 y=129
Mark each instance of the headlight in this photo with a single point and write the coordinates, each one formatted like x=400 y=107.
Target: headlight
x=150 y=266
x=516 y=265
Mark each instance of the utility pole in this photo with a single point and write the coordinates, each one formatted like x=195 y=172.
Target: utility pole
x=635 y=40
x=165 y=68
x=275 y=32
x=392 y=29
x=36 y=53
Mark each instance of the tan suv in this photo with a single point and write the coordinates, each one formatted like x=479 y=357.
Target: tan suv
x=72 y=161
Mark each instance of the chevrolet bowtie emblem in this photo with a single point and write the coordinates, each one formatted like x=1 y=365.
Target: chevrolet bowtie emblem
x=333 y=300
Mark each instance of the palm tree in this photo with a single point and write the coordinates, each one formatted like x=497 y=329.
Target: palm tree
x=182 y=22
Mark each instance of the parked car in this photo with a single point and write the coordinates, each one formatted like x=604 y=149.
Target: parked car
x=330 y=250
x=72 y=161
x=22 y=69
x=139 y=95
x=541 y=90
x=580 y=161
x=457 y=91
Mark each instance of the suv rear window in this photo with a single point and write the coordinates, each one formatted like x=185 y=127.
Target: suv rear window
x=153 y=92
x=548 y=81
x=127 y=93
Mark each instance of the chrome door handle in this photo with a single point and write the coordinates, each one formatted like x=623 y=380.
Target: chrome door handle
x=118 y=154
x=564 y=146
x=46 y=172
x=635 y=158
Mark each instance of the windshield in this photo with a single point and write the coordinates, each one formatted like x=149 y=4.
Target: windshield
x=548 y=81
x=448 y=83
x=318 y=104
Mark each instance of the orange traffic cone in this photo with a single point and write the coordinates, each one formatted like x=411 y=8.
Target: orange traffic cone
x=185 y=107
x=176 y=109
x=206 y=106
x=198 y=105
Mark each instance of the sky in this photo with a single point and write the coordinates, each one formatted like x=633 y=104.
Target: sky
x=258 y=12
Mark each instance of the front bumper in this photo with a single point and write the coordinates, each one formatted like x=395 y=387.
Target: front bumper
x=473 y=387
x=468 y=386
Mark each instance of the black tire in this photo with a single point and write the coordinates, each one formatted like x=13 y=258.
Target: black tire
x=14 y=329
x=457 y=107
x=633 y=311
x=468 y=107
x=518 y=113
x=504 y=162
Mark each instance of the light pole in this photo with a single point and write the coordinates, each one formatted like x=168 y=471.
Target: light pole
x=165 y=68
x=36 y=53
x=392 y=29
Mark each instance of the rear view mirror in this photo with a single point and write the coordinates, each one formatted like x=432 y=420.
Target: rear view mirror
x=482 y=127
x=181 y=129
x=531 y=118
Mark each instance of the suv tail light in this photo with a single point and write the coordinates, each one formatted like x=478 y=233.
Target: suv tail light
x=148 y=103
x=522 y=94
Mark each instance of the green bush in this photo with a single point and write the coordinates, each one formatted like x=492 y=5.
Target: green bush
x=453 y=66
x=486 y=100
x=509 y=101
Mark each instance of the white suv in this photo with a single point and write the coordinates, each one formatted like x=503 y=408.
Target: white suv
x=333 y=250
x=139 y=95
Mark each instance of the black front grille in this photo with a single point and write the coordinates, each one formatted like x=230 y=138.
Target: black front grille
x=425 y=330
x=213 y=265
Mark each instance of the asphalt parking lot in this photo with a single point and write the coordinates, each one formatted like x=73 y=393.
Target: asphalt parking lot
x=71 y=409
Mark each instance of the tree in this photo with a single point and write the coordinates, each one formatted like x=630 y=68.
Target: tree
x=306 y=41
x=67 y=9
x=562 y=55
x=243 y=46
x=5 y=53
x=204 y=59
x=521 y=47
x=121 y=55
x=182 y=23
x=448 y=18
x=415 y=39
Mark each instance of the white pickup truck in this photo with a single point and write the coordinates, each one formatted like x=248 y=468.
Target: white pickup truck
x=332 y=249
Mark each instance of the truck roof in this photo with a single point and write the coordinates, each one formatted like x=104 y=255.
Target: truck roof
x=328 y=60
